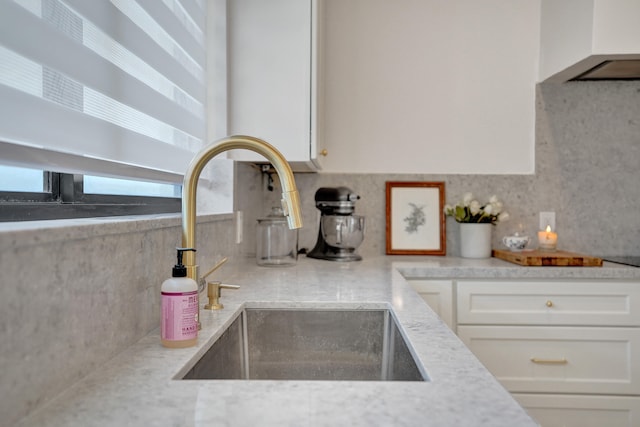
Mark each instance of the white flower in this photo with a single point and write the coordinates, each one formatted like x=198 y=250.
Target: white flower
x=474 y=207
x=469 y=210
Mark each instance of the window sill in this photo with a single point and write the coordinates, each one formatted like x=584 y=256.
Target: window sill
x=26 y=233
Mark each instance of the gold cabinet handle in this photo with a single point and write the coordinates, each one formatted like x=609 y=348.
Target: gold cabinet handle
x=549 y=303
x=562 y=361
x=324 y=152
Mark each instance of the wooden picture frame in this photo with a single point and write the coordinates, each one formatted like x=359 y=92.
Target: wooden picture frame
x=415 y=218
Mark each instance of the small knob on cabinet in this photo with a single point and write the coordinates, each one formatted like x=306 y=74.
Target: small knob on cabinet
x=549 y=303
x=324 y=152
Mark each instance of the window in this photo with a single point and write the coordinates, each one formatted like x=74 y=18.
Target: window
x=29 y=194
x=103 y=101
x=21 y=179
x=127 y=187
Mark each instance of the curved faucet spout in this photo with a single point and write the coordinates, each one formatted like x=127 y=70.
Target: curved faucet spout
x=290 y=197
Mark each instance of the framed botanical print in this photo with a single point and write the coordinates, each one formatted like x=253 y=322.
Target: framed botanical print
x=415 y=218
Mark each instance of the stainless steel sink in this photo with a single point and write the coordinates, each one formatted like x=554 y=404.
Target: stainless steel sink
x=310 y=344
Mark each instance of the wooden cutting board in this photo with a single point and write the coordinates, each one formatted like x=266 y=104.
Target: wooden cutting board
x=551 y=259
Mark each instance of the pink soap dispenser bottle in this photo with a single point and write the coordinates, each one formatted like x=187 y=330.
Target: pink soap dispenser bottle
x=179 y=325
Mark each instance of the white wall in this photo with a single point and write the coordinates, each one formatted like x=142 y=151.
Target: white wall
x=215 y=188
x=430 y=86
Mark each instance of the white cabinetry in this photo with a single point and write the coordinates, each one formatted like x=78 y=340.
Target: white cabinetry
x=558 y=410
x=569 y=351
x=438 y=294
x=272 y=66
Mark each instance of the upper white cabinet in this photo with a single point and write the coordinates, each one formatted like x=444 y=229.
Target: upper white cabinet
x=430 y=86
x=577 y=35
x=272 y=66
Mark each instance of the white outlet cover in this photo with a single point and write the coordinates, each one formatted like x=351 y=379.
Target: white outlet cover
x=239 y=230
x=547 y=218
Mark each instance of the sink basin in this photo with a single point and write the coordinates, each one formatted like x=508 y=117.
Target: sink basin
x=310 y=344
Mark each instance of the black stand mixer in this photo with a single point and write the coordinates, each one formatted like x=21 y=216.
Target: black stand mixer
x=340 y=231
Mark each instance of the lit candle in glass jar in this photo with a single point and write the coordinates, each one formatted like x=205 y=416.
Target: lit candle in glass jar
x=547 y=239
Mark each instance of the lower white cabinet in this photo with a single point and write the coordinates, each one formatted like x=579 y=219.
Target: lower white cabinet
x=558 y=410
x=438 y=294
x=568 y=350
x=559 y=359
x=549 y=302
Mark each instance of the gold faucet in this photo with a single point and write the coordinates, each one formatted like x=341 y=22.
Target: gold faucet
x=290 y=197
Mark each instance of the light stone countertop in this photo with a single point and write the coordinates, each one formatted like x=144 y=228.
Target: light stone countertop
x=494 y=268
x=137 y=387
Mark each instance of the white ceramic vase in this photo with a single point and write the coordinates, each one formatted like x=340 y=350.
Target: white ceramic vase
x=475 y=240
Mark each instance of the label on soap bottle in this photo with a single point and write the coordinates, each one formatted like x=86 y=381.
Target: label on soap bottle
x=179 y=316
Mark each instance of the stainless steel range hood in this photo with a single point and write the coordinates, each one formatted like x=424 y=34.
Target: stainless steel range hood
x=589 y=40
x=618 y=69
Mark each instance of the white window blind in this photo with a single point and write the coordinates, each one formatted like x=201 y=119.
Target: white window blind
x=107 y=87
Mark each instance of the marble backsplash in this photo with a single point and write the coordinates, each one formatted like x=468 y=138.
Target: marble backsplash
x=587 y=172
x=95 y=286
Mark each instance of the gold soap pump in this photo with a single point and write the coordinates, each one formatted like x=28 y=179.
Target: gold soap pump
x=214 y=289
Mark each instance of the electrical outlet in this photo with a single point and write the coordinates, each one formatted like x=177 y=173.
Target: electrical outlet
x=547 y=218
x=238 y=221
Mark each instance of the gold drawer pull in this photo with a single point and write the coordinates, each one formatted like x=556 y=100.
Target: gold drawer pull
x=562 y=361
x=549 y=303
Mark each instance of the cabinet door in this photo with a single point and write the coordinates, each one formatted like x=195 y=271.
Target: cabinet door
x=272 y=76
x=556 y=410
x=559 y=359
x=438 y=294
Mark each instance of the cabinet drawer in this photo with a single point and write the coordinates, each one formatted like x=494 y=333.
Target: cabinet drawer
x=556 y=410
x=549 y=303
x=559 y=359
